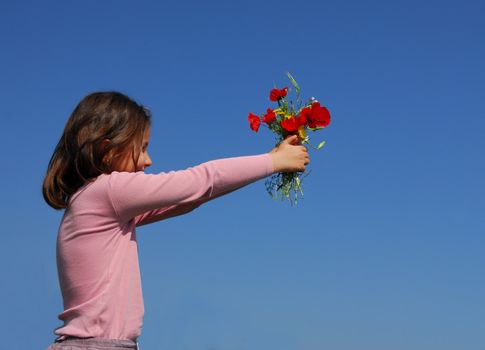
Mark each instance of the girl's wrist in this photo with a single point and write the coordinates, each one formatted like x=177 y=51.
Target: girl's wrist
x=274 y=159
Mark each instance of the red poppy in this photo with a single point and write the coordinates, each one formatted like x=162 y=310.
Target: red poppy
x=254 y=121
x=291 y=124
x=319 y=117
x=277 y=94
x=269 y=117
x=305 y=114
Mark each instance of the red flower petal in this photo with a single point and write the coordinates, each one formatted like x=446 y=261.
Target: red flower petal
x=277 y=94
x=283 y=92
x=320 y=116
x=274 y=95
x=305 y=115
x=254 y=121
x=290 y=124
x=269 y=117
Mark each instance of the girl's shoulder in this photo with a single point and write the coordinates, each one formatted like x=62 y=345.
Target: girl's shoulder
x=94 y=186
x=101 y=195
x=104 y=183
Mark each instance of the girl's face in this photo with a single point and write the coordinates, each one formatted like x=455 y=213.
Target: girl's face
x=144 y=160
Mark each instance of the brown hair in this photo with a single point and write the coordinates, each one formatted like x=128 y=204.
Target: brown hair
x=103 y=127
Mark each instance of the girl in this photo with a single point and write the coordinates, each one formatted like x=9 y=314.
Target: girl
x=97 y=175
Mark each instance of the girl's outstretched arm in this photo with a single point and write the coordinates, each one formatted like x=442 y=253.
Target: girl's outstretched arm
x=152 y=197
x=175 y=210
x=190 y=188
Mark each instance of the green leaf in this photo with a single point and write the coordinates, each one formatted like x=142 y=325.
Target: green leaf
x=321 y=144
x=293 y=82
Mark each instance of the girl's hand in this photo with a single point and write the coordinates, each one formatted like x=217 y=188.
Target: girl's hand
x=289 y=156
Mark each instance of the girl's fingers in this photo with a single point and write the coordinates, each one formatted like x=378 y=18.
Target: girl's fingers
x=293 y=140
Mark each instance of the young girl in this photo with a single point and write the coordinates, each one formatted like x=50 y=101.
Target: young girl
x=97 y=175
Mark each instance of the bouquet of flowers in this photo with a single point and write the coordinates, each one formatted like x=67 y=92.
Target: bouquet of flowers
x=290 y=118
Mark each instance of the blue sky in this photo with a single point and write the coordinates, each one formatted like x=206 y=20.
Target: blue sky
x=386 y=249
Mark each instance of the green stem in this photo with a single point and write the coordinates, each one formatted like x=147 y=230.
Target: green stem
x=309 y=144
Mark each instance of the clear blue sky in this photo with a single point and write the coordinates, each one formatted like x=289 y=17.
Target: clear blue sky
x=386 y=251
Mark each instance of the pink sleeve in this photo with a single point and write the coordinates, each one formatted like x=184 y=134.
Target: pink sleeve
x=153 y=197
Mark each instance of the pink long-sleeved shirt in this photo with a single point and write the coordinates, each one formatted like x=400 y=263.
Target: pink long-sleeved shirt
x=97 y=255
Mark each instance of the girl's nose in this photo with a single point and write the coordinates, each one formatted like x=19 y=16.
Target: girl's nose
x=148 y=161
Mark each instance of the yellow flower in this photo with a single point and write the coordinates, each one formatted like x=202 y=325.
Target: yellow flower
x=278 y=111
x=302 y=132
